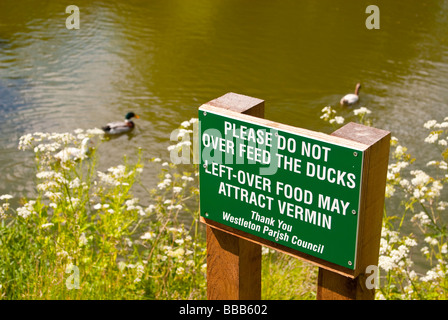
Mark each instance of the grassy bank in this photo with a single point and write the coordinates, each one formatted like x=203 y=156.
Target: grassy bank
x=85 y=235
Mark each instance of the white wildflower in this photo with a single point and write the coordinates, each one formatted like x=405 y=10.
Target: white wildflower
x=419 y=194
x=442 y=205
x=25 y=141
x=178 y=253
x=131 y=204
x=430 y=276
x=404 y=183
x=27 y=209
x=399 y=151
x=62 y=253
x=328 y=113
x=432 y=138
x=74 y=183
x=410 y=242
x=150 y=208
x=338 y=120
x=5 y=197
x=443 y=165
x=431 y=241
x=177 y=189
x=180 y=271
x=94 y=131
x=148 y=236
x=430 y=124
x=46 y=225
x=421 y=178
x=421 y=218
x=190 y=263
x=361 y=111
x=183 y=133
x=53 y=196
x=140 y=269
x=185 y=124
x=174 y=207
x=432 y=163
x=186 y=178
x=435 y=189
x=390 y=190
x=386 y=263
x=99 y=206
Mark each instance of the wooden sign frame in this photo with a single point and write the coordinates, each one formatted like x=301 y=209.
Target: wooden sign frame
x=234 y=256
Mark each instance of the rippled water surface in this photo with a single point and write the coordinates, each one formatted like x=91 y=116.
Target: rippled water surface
x=163 y=59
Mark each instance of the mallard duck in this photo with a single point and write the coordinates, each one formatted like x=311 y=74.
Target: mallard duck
x=73 y=153
x=351 y=98
x=121 y=126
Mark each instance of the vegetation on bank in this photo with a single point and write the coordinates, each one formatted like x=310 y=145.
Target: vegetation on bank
x=85 y=235
x=417 y=229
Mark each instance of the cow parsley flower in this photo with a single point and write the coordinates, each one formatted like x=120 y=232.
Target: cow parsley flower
x=361 y=111
x=27 y=209
x=148 y=235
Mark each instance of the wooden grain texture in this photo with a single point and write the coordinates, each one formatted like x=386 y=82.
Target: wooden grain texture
x=333 y=286
x=233 y=267
x=233 y=263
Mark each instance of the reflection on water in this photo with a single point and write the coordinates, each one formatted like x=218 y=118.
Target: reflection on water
x=162 y=59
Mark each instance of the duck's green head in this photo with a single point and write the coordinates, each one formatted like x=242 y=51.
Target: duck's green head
x=130 y=115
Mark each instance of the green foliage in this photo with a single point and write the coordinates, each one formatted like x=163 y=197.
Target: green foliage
x=85 y=236
x=422 y=209
x=90 y=220
x=287 y=278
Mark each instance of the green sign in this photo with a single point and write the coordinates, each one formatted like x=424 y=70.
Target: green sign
x=293 y=189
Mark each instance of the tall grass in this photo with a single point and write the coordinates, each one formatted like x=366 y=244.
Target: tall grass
x=85 y=236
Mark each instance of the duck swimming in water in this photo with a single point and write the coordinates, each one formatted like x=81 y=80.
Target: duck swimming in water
x=351 y=98
x=121 y=126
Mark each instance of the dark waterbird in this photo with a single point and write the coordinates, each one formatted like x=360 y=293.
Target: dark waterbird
x=121 y=126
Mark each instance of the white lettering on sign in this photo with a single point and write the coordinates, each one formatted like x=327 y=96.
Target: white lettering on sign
x=307 y=196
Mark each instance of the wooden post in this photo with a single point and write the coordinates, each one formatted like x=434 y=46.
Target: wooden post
x=233 y=263
x=334 y=286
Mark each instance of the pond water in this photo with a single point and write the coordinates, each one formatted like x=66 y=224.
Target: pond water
x=162 y=59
